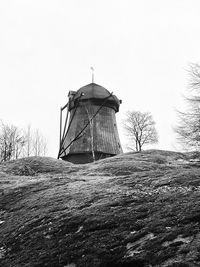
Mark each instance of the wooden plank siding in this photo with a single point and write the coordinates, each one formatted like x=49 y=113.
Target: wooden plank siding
x=98 y=140
x=104 y=128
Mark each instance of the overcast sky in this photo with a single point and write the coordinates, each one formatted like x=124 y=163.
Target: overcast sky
x=140 y=50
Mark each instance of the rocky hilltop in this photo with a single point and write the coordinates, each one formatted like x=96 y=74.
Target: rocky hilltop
x=135 y=209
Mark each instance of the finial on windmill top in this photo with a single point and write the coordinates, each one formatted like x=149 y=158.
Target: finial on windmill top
x=92 y=69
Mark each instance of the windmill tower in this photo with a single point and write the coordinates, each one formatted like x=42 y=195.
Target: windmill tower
x=90 y=129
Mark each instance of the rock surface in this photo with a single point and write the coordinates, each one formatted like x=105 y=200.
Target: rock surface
x=130 y=210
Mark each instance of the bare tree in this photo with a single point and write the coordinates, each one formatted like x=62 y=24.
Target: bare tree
x=140 y=127
x=36 y=144
x=28 y=145
x=39 y=144
x=16 y=143
x=12 y=142
x=188 y=128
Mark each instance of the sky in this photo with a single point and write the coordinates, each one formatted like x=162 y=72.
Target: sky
x=140 y=50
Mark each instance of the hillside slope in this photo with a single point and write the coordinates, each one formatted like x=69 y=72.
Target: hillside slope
x=129 y=210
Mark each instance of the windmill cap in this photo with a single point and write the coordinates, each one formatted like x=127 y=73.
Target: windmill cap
x=97 y=92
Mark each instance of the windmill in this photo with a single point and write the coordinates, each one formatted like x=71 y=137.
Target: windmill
x=89 y=131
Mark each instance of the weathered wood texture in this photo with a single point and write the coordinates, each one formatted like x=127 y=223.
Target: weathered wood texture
x=101 y=135
x=104 y=131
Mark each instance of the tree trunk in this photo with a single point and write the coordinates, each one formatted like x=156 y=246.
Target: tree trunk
x=140 y=146
x=136 y=146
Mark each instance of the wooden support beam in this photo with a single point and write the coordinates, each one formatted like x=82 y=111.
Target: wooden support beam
x=60 y=132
